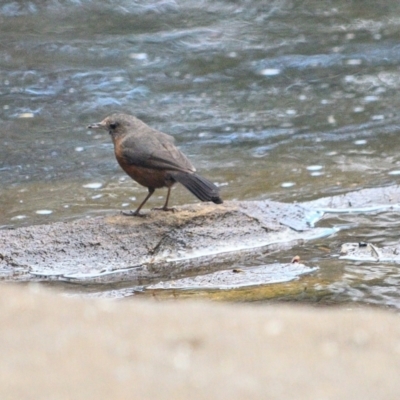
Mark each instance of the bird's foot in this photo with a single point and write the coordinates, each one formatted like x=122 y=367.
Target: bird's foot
x=132 y=213
x=172 y=209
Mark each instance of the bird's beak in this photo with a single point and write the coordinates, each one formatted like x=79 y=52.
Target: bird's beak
x=98 y=125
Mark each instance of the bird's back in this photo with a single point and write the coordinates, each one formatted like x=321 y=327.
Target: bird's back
x=146 y=147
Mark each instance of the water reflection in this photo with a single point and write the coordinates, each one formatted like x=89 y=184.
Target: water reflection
x=256 y=94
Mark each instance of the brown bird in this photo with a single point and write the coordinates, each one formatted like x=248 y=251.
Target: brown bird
x=150 y=158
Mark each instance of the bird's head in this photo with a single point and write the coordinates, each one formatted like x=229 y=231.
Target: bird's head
x=116 y=124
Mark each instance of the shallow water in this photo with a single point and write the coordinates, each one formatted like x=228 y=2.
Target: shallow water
x=286 y=100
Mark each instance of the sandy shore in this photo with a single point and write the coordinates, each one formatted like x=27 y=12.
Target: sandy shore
x=54 y=347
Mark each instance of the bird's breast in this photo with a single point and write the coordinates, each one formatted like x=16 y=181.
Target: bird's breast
x=148 y=177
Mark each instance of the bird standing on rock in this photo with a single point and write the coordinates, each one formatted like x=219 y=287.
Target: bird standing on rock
x=150 y=158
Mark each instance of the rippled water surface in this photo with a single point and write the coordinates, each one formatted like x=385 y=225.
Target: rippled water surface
x=288 y=100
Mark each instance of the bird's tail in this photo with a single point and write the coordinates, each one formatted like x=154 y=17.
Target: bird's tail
x=201 y=187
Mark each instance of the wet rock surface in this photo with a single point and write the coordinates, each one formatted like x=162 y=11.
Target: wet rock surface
x=362 y=201
x=368 y=252
x=238 y=278
x=119 y=248
x=182 y=249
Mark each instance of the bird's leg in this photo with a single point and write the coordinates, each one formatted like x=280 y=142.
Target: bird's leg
x=165 y=206
x=136 y=212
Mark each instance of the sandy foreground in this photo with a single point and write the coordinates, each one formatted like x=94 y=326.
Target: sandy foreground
x=55 y=347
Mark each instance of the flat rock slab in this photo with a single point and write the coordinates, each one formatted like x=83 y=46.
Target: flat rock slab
x=238 y=278
x=119 y=248
x=360 y=201
x=368 y=252
x=197 y=239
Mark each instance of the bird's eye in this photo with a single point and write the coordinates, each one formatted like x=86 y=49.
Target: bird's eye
x=113 y=125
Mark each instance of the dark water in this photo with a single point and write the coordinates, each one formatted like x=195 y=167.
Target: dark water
x=288 y=100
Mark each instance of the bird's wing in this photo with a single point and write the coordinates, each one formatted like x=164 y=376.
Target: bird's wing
x=155 y=151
